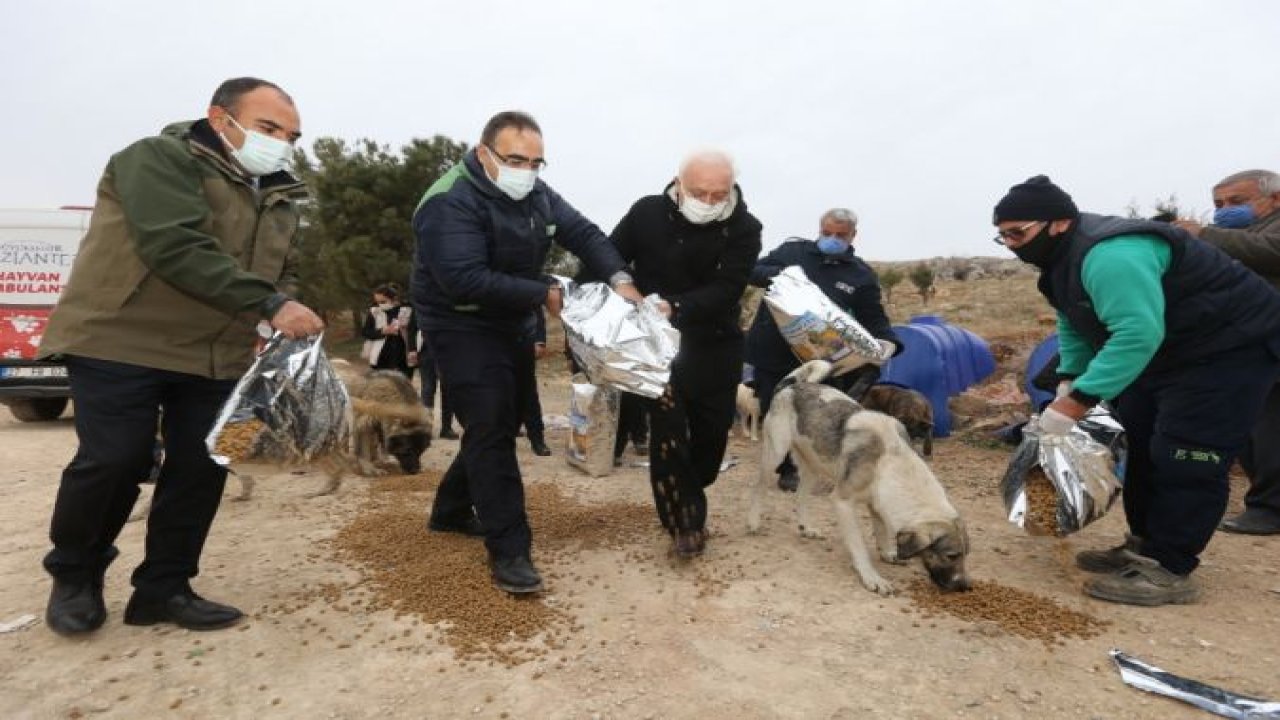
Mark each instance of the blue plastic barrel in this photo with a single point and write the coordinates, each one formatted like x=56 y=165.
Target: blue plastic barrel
x=939 y=361
x=1039 y=357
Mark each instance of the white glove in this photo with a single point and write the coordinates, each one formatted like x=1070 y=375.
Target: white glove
x=1064 y=388
x=1053 y=422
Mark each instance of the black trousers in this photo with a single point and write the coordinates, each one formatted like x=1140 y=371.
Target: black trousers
x=117 y=408
x=531 y=416
x=689 y=430
x=1185 y=428
x=487 y=378
x=430 y=379
x=633 y=423
x=1261 y=459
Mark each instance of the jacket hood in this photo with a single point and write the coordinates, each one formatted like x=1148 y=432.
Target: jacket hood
x=736 y=203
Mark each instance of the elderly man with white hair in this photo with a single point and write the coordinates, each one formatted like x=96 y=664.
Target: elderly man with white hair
x=694 y=245
x=1246 y=226
x=830 y=263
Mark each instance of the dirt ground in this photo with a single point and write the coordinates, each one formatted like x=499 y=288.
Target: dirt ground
x=762 y=626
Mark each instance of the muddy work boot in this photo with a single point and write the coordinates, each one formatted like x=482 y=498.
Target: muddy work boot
x=1144 y=582
x=1109 y=561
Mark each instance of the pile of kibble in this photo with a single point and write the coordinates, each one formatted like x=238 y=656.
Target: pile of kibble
x=1042 y=504
x=238 y=440
x=443 y=578
x=1015 y=611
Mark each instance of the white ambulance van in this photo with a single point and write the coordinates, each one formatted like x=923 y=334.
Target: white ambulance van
x=37 y=248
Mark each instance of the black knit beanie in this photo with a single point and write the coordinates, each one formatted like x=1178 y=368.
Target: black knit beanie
x=1036 y=199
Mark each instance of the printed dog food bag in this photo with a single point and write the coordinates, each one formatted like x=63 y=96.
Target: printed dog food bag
x=815 y=327
x=289 y=407
x=1055 y=485
x=593 y=424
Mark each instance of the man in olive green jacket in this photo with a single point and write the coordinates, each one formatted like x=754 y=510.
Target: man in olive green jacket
x=187 y=251
x=1246 y=226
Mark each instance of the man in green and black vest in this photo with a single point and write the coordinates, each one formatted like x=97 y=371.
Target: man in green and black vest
x=1184 y=341
x=189 y=248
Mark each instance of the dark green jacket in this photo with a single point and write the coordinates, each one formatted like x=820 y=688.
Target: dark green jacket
x=182 y=252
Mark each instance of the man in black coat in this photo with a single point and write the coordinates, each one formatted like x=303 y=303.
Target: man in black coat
x=694 y=245
x=849 y=282
x=483 y=231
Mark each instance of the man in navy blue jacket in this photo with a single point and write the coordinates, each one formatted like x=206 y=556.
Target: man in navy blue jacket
x=843 y=277
x=483 y=231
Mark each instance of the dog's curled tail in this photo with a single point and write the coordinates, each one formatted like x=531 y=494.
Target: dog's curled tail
x=814 y=371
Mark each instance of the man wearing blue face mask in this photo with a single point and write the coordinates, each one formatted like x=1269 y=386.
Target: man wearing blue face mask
x=1246 y=226
x=190 y=246
x=483 y=231
x=831 y=264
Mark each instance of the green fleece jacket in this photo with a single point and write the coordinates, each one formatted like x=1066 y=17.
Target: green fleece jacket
x=1122 y=277
x=183 y=253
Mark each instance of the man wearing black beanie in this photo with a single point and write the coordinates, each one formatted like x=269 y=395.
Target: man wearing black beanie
x=1183 y=342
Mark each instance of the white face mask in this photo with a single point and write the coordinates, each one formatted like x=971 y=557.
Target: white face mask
x=386 y=306
x=517 y=183
x=698 y=212
x=261 y=154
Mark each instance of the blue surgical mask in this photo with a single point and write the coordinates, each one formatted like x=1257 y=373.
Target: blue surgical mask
x=1234 y=216
x=831 y=245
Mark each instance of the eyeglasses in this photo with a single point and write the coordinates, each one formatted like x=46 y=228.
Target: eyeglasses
x=1014 y=234
x=519 y=161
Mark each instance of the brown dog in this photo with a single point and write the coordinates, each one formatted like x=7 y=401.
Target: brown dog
x=909 y=407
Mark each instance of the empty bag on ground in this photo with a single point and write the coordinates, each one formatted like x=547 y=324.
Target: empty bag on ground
x=289 y=407
x=1057 y=484
x=815 y=327
x=593 y=424
x=617 y=343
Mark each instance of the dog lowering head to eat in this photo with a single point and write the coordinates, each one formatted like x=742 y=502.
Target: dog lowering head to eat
x=388 y=418
x=909 y=407
x=862 y=458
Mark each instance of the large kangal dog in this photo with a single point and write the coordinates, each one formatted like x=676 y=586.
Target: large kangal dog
x=863 y=458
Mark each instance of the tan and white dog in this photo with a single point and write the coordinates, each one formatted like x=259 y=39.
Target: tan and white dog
x=862 y=458
x=748 y=405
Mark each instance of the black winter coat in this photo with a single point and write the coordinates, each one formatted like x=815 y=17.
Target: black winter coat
x=479 y=254
x=845 y=278
x=700 y=269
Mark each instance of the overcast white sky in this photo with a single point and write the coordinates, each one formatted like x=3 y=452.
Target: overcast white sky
x=917 y=115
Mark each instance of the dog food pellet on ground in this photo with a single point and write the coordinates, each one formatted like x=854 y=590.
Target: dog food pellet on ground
x=1042 y=504
x=1015 y=611
x=442 y=578
x=237 y=439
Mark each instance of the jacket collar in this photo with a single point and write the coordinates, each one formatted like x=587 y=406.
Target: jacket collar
x=735 y=200
x=203 y=141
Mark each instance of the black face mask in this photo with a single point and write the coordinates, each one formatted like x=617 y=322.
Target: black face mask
x=1038 y=250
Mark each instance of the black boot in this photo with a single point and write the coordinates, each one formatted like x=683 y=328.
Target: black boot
x=788 y=480
x=184 y=609
x=539 y=445
x=515 y=575
x=446 y=429
x=77 y=606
